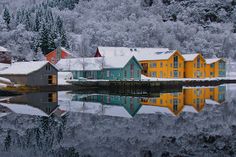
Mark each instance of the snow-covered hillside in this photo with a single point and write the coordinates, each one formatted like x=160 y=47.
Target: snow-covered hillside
x=188 y=25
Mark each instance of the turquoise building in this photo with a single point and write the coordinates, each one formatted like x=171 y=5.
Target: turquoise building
x=106 y=68
x=131 y=104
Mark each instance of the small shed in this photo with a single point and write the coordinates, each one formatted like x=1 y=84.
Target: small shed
x=39 y=73
x=5 y=55
x=108 y=68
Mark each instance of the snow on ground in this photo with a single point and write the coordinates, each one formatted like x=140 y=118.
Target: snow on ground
x=63 y=77
x=5 y=81
x=145 y=78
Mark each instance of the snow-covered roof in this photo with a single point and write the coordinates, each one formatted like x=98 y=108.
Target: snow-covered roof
x=188 y=108
x=190 y=57
x=95 y=108
x=4 y=66
x=65 y=50
x=93 y=63
x=154 y=56
x=25 y=109
x=211 y=102
x=3 y=49
x=213 y=60
x=146 y=109
x=140 y=54
x=23 y=68
x=122 y=51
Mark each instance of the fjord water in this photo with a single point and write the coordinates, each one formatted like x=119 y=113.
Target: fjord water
x=199 y=121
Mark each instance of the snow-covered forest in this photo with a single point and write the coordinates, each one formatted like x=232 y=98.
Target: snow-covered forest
x=29 y=26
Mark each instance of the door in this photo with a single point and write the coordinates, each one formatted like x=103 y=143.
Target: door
x=176 y=74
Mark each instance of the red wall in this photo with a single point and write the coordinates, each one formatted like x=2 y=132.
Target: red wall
x=51 y=57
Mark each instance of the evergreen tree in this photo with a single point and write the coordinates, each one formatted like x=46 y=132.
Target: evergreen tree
x=37 y=22
x=7 y=141
x=27 y=21
x=7 y=17
x=43 y=42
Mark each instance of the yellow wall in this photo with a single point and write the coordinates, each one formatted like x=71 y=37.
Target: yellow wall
x=195 y=97
x=213 y=70
x=173 y=101
x=165 y=68
x=192 y=71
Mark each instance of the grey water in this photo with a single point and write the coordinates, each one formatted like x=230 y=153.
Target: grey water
x=194 y=121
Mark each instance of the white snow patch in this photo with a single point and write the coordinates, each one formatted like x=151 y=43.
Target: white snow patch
x=63 y=77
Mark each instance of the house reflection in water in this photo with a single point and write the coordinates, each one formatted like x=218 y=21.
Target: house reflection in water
x=192 y=99
x=173 y=101
x=188 y=100
x=38 y=104
x=131 y=104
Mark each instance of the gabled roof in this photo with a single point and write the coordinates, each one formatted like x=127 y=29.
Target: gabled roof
x=121 y=51
x=3 y=49
x=188 y=108
x=93 y=63
x=62 y=49
x=190 y=57
x=213 y=60
x=25 y=109
x=23 y=68
x=4 y=66
x=156 y=56
x=146 y=109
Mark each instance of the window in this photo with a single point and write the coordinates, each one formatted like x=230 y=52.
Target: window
x=153 y=65
x=198 y=62
x=176 y=73
x=138 y=73
x=153 y=74
x=175 y=105
x=52 y=97
x=108 y=73
x=161 y=74
x=153 y=100
x=132 y=70
x=125 y=73
x=50 y=79
x=161 y=64
x=48 y=67
x=161 y=101
x=176 y=61
x=171 y=65
x=212 y=65
x=212 y=73
x=171 y=74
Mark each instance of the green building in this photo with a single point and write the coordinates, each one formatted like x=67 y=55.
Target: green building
x=106 y=68
x=131 y=104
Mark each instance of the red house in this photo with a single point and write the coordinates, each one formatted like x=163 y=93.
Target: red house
x=5 y=56
x=57 y=54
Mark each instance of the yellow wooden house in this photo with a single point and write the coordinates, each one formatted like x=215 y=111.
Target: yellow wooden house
x=194 y=66
x=195 y=97
x=216 y=94
x=168 y=64
x=215 y=68
x=174 y=102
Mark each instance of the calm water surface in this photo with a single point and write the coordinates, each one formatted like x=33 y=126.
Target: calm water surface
x=199 y=121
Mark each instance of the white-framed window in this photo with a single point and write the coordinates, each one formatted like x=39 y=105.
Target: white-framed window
x=153 y=74
x=153 y=65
